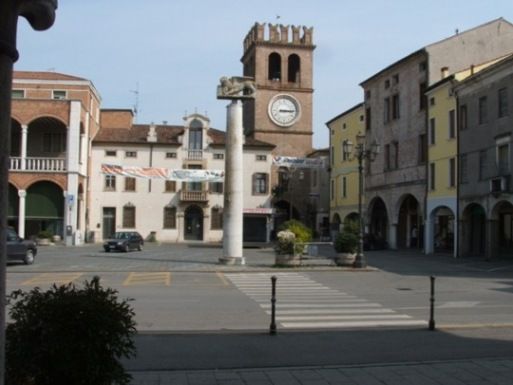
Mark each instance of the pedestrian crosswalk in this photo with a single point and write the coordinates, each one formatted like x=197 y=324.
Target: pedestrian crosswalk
x=302 y=303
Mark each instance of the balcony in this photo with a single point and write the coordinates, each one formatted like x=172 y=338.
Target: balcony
x=193 y=196
x=193 y=154
x=37 y=164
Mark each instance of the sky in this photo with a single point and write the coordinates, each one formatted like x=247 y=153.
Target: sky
x=173 y=52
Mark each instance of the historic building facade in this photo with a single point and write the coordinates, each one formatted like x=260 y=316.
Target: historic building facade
x=54 y=118
x=396 y=117
x=170 y=210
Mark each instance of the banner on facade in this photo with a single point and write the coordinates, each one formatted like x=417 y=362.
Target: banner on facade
x=164 y=173
x=290 y=161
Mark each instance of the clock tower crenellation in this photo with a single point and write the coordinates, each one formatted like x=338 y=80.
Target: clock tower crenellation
x=280 y=59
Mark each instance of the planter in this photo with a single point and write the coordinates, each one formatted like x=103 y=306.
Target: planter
x=56 y=238
x=287 y=260
x=345 y=259
x=43 y=242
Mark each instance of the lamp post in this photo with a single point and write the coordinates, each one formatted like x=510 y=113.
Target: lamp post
x=361 y=153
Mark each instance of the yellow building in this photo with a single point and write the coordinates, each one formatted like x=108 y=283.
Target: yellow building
x=344 y=169
x=439 y=148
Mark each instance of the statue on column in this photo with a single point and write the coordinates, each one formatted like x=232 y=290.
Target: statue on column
x=236 y=87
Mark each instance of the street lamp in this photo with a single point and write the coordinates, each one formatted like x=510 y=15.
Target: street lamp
x=361 y=153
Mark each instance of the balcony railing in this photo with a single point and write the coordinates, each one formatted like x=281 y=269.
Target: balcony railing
x=194 y=154
x=37 y=164
x=193 y=196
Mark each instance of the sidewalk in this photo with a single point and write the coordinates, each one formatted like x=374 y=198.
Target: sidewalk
x=351 y=357
x=468 y=372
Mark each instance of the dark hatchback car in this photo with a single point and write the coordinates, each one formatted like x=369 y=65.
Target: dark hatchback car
x=124 y=241
x=19 y=249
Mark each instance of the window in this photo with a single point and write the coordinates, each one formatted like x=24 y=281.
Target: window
x=395 y=78
x=332 y=154
x=314 y=178
x=110 y=183
x=395 y=155
x=452 y=124
x=216 y=218
x=387 y=83
x=431 y=101
x=422 y=95
x=216 y=187
x=196 y=135
x=452 y=172
x=218 y=156
x=130 y=154
x=463 y=168
x=170 y=155
x=386 y=110
x=260 y=182
x=294 y=67
x=431 y=176
x=422 y=66
x=58 y=95
x=274 y=67
x=503 y=159
x=482 y=164
x=503 y=102
x=54 y=142
x=395 y=106
x=483 y=110
x=344 y=126
x=344 y=187
x=18 y=94
x=368 y=119
x=392 y=156
x=170 y=186
x=169 y=217
x=432 y=131
x=422 y=149
x=129 y=184
x=463 y=117
x=332 y=192
x=367 y=94
x=129 y=216
x=387 y=157
x=261 y=158
x=110 y=153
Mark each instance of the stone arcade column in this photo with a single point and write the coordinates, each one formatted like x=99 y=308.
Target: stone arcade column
x=22 y=195
x=235 y=89
x=41 y=15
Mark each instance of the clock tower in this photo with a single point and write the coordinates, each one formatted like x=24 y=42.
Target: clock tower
x=280 y=59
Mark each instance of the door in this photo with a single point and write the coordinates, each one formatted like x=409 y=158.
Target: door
x=109 y=222
x=193 y=230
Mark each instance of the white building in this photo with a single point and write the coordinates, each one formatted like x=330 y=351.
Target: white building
x=169 y=210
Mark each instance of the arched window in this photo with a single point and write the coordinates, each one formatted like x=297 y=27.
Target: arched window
x=196 y=135
x=275 y=67
x=294 y=68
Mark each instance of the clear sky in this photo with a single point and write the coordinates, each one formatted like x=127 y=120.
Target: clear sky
x=176 y=50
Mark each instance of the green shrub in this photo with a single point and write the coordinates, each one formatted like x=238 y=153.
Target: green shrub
x=346 y=242
x=69 y=336
x=45 y=234
x=303 y=234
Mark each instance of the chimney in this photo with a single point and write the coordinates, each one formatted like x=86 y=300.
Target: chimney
x=444 y=72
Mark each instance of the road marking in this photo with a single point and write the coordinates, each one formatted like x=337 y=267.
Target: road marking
x=51 y=278
x=150 y=278
x=305 y=304
x=458 y=304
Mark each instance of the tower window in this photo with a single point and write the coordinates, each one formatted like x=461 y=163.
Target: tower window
x=294 y=68
x=274 y=67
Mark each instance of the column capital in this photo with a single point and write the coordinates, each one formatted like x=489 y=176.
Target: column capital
x=22 y=193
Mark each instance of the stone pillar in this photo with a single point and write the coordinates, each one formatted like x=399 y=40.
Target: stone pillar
x=233 y=195
x=22 y=194
x=429 y=242
x=235 y=89
x=24 y=134
x=392 y=236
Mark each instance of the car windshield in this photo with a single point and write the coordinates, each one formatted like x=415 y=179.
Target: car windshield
x=120 y=236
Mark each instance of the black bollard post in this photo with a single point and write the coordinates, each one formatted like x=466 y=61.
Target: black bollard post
x=272 y=328
x=432 y=308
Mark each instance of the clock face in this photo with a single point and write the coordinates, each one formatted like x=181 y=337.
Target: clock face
x=284 y=110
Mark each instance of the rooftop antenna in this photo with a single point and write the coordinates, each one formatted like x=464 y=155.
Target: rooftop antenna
x=136 y=105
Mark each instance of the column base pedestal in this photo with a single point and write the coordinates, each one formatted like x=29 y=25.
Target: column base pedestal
x=238 y=261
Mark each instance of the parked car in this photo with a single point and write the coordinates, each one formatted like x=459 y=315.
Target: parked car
x=19 y=249
x=124 y=241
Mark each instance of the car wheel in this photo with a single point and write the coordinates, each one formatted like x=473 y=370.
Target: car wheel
x=29 y=257
x=139 y=247
x=126 y=249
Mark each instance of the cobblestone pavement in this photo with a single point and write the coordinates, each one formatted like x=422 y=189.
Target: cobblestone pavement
x=468 y=372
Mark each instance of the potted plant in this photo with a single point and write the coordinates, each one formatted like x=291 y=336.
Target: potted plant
x=346 y=245
x=43 y=237
x=287 y=251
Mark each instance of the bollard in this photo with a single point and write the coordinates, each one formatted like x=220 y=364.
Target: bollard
x=432 y=308
x=272 y=328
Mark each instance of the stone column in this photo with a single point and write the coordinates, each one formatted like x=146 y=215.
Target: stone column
x=392 y=236
x=233 y=181
x=429 y=242
x=24 y=134
x=235 y=89
x=22 y=194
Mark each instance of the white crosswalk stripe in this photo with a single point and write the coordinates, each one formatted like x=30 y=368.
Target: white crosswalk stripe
x=303 y=303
